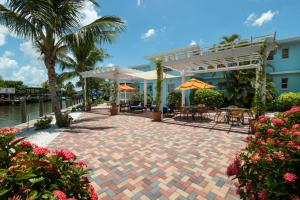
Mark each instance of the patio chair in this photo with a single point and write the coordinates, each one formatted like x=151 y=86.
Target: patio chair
x=185 y=112
x=136 y=106
x=202 y=112
x=219 y=113
x=236 y=116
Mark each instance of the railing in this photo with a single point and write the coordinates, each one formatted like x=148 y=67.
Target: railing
x=194 y=51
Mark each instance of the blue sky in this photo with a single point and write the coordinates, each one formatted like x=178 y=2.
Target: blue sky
x=161 y=25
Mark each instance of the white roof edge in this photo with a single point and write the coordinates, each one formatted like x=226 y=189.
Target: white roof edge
x=288 y=40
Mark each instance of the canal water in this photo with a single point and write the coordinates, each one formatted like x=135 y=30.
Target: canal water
x=10 y=115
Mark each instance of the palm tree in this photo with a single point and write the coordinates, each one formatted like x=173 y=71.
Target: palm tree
x=53 y=24
x=229 y=39
x=83 y=58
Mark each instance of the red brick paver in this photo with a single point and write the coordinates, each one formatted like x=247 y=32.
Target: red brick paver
x=134 y=158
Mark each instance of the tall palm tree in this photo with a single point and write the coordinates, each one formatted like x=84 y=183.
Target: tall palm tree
x=82 y=58
x=53 y=24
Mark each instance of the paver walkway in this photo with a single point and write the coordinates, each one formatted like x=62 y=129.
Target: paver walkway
x=134 y=158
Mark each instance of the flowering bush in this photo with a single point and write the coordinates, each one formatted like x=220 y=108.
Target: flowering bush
x=269 y=166
x=31 y=172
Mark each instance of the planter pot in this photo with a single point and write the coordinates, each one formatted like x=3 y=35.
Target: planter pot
x=88 y=108
x=113 y=110
x=156 y=116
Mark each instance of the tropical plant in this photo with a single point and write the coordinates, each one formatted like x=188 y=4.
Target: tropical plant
x=70 y=90
x=82 y=58
x=28 y=171
x=114 y=93
x=229 y=39
x=159 y=83
x=209 y=98
x=174 y=98
x=135 y=96
x=43 y=123
x=288 y=99
x=268 y=167
x=51 y=26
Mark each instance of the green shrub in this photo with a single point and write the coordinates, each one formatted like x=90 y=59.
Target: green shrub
x=43 y=123
x=175 y=97
x=79 y=107
x=208 y=97
x=288 y=99
x=31 y=172
x=65 y=121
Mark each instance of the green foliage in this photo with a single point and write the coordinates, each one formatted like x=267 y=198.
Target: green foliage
x=70 y=90
x=21 y=89
x=268 y=167
x=208 y=97
x=114 y=93
x=159 y=83
x=288 y=99
x=136 y=95
x=239 y=87
x=31 y=172
x=79 y=107
x=98 y=101
x=174 y=97
x=43 y=123
x=65 y=121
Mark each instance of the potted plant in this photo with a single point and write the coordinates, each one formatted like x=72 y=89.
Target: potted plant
x=157 y=112
x=88 y=107
x=114 y=106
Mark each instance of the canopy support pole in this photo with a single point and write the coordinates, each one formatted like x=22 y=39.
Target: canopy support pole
x=85 y=94
x=118 y=93
x=145 y=93
x=182 y=91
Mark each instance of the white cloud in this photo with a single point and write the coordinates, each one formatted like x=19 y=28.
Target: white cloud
x=3 y=33
x=150 y=33
x=255 y=20
x=88 y=13
x=6 y=63
x=30 y=75
x=29 y=50
x=193 y=43
x=110 y=65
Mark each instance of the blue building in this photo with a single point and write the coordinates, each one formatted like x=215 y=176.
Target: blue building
x=284 y=71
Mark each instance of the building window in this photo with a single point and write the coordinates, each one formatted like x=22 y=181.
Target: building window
x=271 y=56
x=285 y=53
x=284 y=83
x=171 y=88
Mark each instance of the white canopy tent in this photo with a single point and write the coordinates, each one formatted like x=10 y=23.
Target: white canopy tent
x=119 y=74
x=243 y=54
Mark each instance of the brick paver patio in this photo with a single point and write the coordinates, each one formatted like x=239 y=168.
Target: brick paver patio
x=134 y=158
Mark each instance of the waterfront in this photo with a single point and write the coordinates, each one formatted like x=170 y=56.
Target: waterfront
x=10 y=114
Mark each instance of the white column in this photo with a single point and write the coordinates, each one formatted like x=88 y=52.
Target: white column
x=118 y=93
x=162 y=92
x=145 y=93
x=85 y=93
x=182 y=91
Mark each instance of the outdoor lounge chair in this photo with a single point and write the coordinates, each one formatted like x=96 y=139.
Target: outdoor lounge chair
x=136 y=106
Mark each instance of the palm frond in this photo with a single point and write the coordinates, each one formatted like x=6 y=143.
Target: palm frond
x=102 y=30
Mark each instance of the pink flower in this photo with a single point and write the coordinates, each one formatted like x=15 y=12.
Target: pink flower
x=93 y=193
x=66 y=155
x=262 y=119
x=263 y=195
x=250 y=186
x=278 y=122
x=279 y=155
x=257 y=134
x=285 y=131
x=234 y=168
x=10 y=130
x=270 y=131
x=260 y=142
x=60 y=195
x=25 y=144
x=40 y=151
x=297 y=133
x=290 y=177
x=81 y=164
x=296 y=126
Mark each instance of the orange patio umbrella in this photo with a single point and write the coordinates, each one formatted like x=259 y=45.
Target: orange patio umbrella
x=194 y=84
x=126 y=88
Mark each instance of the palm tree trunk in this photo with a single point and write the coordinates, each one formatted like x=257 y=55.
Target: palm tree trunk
x=52 y=87
x=82 y=86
